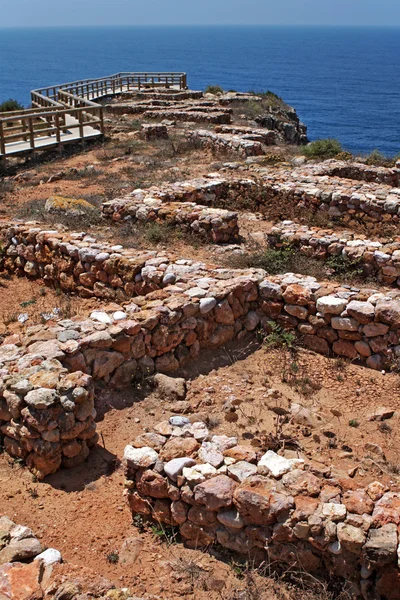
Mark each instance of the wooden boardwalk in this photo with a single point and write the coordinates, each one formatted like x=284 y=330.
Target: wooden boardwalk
x=69 y=113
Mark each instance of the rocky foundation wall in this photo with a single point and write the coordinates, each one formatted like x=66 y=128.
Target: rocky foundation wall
x=369 y=257
x=278 y=191
x=210 y=224
x=361 y=172
x=46 y=414
x=267 y=507
x=169 y=311
x=266 y=137
x=244 y=145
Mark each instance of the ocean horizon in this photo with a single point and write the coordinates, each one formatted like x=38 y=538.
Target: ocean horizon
x=343 y=81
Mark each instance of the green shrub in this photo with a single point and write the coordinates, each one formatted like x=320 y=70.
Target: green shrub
x=10 y=105
x=344 y=267
x=278 y=337
x=214 y=89
x=377 y=159
x=328 y=148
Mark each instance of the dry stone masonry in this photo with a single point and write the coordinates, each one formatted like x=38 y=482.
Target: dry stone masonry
x=223 y=142
x=372 y=256
x=167 y=312
x=343 y=199
x=266 y=506
x=212 y=224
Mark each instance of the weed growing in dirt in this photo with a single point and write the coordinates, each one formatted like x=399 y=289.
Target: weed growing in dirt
x=33 y=492
x=139 y=522
x=191 y=571
x=344 y=268
x=168 y=535
x=354 y=423
x=113 y=557
x=279 y=337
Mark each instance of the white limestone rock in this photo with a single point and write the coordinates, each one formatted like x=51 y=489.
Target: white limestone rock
x=275 y=465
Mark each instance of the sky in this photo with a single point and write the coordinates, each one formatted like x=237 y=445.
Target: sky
x=53 y=13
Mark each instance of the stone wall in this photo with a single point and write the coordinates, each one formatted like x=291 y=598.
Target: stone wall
x=46 y=413
x=279 y=191
x=345 y=200
x=360 y=172
x=195 y=111
x=244 y=145
x=211 y=224
x=370 y=257
x=267 y=507
x=169 y=310
x=266 y=137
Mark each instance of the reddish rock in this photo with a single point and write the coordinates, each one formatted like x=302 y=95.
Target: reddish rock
x=240 y=453
x=199 y=536
x=358 y=502
x=179 y=511
x=215 y=493
x=138 y=504
x=330 y=493
x=302 y=482
x=387 y=510
x=345 y=348
x=316 y=344
x=21 y=581
x=202 y=516
x=305 y=506
x=162 y=512
x=150 y=483
x=297 y=294
x=258 y=503
x=179 y=448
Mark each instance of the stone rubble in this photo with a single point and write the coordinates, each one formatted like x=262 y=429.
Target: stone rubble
x=271 y=508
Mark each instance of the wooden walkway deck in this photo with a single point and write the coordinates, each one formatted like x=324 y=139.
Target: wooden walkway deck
x=68 y=113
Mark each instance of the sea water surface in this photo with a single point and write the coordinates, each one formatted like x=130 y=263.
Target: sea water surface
x=344 y=82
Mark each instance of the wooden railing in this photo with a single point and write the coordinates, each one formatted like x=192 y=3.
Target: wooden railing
x=57 y=110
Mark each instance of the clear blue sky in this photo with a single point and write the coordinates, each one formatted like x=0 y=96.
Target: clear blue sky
x=33 y=13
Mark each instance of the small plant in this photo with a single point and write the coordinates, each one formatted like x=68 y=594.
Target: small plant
x=344 y=267
x=384 y=428
x=169 y=535
x=28 y=303
x=214 y=89
x=139 y=523
x=354 y=423
x=279 y=337
x=376 y=158
x=326 y=148
x=11 y=105
x=113 y=557
x=33 y=492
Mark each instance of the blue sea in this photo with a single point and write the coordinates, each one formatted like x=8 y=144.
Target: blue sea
x=344 y=82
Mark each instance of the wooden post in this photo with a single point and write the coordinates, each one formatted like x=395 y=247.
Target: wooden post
x=2 y=142
x=101 y=120
x=58 y=133
x=31 y=133
x=81 y=124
